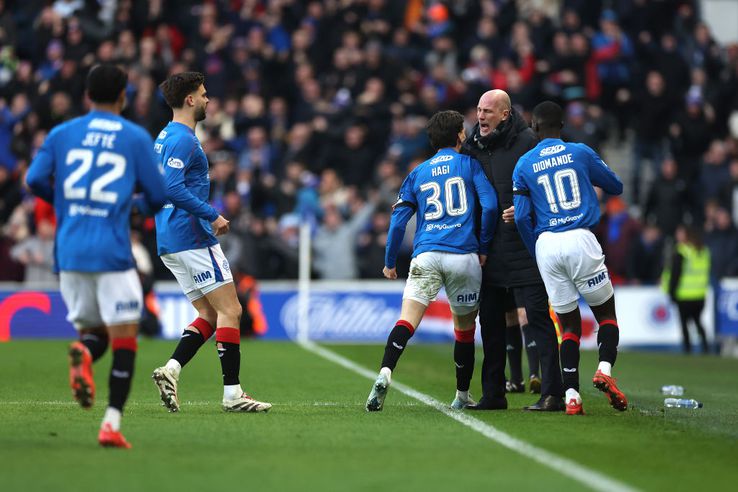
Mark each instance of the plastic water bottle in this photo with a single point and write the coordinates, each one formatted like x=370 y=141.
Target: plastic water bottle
x=672 y=390
x=681 y=403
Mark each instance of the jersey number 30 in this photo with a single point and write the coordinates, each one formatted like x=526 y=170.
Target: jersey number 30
x=448 y=186
x=97 y=189
x=563 y=202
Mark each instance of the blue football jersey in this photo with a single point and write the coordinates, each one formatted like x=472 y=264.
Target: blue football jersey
x=444 y=191
x=96 y=161
x=184 y=221
x=556 y=179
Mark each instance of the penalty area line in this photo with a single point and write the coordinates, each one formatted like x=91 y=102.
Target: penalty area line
x=577 y=472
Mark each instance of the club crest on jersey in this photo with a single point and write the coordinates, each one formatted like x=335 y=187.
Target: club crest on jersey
x=554 y=149
x=175 y=163
x=226 y=266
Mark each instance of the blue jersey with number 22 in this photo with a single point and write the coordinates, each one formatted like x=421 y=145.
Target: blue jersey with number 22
x=97 y=161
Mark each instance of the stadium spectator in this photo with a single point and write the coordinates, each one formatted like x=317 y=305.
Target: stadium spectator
x=654 y=113
x=646 y=259
x=334 y=245
x=616 y=232
x=667 y=201
x=36 y=254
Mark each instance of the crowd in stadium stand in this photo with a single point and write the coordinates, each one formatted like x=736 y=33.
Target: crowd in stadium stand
x=318 y=108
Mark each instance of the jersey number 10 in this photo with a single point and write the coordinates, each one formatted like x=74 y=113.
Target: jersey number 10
x=448 y=186
x=558 y=178
x=97 y=191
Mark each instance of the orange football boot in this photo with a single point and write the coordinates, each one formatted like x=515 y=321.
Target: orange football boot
x=80 y=374
x=607 y=385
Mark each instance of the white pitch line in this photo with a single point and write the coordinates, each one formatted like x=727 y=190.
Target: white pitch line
x=580 y=473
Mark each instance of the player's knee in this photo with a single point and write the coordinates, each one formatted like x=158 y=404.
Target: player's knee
x=232 y=310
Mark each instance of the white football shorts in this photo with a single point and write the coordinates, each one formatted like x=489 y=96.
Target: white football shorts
x=95 y=299
x=460 y=274
x=199 y=271
x=572 y=263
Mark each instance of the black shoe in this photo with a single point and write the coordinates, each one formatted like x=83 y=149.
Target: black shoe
x=497 y=403
x=511 y=387
x=547 y=403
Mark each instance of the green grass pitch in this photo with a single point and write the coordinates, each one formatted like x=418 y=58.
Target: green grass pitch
x=318 y=436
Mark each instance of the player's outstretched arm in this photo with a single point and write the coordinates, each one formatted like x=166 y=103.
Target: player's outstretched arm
x=488 y=202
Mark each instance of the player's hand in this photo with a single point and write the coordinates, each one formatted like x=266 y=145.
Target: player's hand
x=508 y=215
x=390 y=273
x=220 y=226
x=482 y=260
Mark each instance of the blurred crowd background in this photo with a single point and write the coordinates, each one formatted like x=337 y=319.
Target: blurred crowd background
x=318 y=109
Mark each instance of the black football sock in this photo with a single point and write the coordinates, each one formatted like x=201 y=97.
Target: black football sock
x=464 y=358
x=191 y=341
x=608 y=338
x=396 y=343
x=570 y=361
x=228 y=341
x=121 y=373
x=531 y=350
x=515 y=353
x=97 y=344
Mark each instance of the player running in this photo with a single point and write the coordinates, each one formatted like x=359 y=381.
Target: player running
x=443 y=191
x=185 y=233
x=88 y=168
x=554 y=182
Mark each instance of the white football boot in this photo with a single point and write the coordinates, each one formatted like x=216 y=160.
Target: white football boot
x=245 y=403
x=375 y=402
x=460 y=402
x=166 y=381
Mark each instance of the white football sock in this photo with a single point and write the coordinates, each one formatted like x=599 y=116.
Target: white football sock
x=606 y=368
x=462 y=395
x=174 y=366
x=386 y=372
x=232 y=391
x=112 y=417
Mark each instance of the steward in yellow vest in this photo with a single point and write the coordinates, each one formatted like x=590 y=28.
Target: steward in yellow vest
x=689 y=276
x=687 y=281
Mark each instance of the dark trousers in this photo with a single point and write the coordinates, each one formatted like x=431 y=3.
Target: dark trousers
x=492 y=321
x=691 y=310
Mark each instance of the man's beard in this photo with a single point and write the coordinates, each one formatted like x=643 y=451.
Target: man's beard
x=200 y=114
